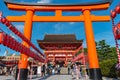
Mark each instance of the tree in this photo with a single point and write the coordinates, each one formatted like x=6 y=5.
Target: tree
x=107 y=58
x=105 y=51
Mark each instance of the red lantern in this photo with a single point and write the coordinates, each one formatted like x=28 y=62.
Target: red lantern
x=113 y=14
x=16 y=46
x=21 y=49
x=1 y=37
x=16 y=31
x=12 y=29
x=10 y=26
x=11 y=45
x=24 y=51
x=3 y=20
x=116 y=31
x=7 y=23
x=8 y=41
x=117 y=9
x=4 y=38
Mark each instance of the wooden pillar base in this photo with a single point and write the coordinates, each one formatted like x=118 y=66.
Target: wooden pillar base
x=23 y=74
x=95 y=74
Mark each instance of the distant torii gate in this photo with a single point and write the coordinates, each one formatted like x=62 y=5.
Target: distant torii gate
x=86 y=17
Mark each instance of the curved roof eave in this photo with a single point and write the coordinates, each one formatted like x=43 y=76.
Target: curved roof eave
x=46 y=4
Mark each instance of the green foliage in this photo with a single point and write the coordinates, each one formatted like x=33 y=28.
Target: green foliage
x=107 y=58
x=108 y=67
x=105 y=51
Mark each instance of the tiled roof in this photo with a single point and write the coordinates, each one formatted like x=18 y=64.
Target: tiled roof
x=59 y=38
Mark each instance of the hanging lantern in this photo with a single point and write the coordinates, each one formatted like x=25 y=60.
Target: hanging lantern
x=12 y=29
x=8 y=41
x=16 y=46
x=10 y=26
x=117 y=9
x=24 y=49
x=16 y=31
x=1 y=37
x=11 y=42
x=20 y=48
x=3 y=20
x=113 y=14
x=7 y=23
x=116 y=30
x=4 y=40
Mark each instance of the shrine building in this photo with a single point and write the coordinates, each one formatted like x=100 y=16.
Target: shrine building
x=60 y=48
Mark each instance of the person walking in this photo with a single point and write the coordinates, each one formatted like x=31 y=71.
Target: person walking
x=58 y=68
x=77 y=71
x=39 y=73
x=43 y=70
x=69 y=68
x=72 y=69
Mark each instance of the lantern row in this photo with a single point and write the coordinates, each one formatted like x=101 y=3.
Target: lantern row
x=18 y=33
x=10 y=42
x=116 y=29
x=115 y=11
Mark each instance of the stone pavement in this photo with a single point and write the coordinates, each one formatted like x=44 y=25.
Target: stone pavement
x=51 y=77
x=57 y=77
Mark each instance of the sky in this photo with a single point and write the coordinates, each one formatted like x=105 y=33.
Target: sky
x=102 y=30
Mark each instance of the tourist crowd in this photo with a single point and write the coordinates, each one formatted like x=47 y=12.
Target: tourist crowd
x=41 y=70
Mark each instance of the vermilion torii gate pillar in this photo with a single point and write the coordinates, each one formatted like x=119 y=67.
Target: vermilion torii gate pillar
x=87 y=18
x=23 y=63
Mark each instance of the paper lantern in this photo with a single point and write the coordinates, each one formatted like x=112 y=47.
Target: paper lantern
x=113 y=14
x=117 y=9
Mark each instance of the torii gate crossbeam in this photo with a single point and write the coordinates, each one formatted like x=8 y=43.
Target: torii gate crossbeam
x=86 y=17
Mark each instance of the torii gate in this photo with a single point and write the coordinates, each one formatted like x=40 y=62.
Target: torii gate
x=86 y=17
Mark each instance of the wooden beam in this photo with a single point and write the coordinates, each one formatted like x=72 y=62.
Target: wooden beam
x=58 y=19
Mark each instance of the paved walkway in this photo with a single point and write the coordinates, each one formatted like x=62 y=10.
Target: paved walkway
x=57 y=77
x=51 y=77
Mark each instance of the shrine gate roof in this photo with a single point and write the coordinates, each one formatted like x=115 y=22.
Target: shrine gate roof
x=60 y=42
x=60 y=38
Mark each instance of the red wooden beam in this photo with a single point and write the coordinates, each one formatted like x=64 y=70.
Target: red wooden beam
x=80 y=56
